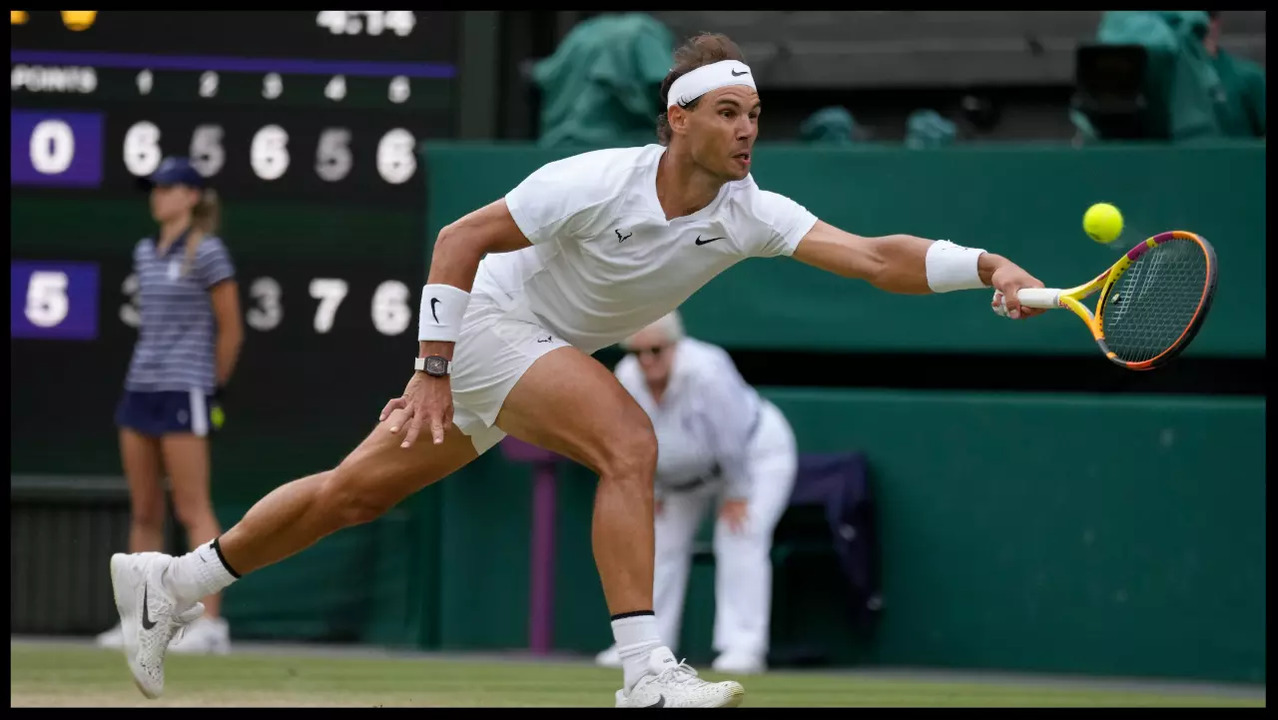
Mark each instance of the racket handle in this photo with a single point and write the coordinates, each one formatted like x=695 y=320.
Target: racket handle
x=1039 y=297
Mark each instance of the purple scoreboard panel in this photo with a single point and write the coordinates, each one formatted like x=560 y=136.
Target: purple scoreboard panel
x=57 y=148
x=50 y=300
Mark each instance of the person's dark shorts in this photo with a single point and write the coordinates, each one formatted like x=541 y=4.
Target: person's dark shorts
x=166 y=413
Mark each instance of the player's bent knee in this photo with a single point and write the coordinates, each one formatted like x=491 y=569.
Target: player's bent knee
x=631 y=455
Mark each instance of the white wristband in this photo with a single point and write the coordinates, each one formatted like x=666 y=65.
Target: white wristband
x=440 y=315
x=953 y=267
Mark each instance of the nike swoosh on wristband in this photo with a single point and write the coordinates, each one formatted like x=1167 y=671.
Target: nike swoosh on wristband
x=432 y=308
x=739 y=74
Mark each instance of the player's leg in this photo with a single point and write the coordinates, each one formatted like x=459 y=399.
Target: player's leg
x=677 y=518
x=371 y=480
x=676 y=527
x=379 y=473
x=568 y=403
x=157 y=595
x=743 y=565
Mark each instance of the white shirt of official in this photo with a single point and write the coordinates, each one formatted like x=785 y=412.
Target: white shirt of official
x=706 y=416
x=606 y=262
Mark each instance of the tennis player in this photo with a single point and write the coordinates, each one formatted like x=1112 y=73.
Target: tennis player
x=718 y=444
x=581 y=254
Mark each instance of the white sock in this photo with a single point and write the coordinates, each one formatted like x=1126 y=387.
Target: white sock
x=636 y=637
x=198 y=574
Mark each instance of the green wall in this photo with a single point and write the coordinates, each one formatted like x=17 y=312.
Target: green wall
x=1070 y=534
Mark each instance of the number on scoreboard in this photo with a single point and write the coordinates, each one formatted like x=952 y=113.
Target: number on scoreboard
x=142 y=148
x=58 y=301
x=55 y=148
x=269 y=152
x=52 y=147
x=333 y=20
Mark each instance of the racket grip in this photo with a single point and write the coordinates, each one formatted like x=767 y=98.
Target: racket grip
x=1039 y=297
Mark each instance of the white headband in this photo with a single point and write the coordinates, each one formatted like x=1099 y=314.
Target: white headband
x=694 y=84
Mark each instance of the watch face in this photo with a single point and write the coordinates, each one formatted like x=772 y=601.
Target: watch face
x=436 y=365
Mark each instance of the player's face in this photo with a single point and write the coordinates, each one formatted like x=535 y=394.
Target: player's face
x=654 y=352
x=723 y=129
x=171 y=202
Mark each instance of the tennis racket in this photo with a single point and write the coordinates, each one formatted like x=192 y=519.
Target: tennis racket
x=1152 y=301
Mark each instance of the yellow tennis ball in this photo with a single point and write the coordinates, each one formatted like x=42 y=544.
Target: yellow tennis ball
x=1103 y=223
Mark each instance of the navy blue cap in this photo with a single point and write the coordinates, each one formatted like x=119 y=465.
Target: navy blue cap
x=176 y=171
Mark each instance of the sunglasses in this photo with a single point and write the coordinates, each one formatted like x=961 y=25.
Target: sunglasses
x=654 y=350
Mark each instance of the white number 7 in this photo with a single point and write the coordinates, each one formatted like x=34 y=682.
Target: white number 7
x=329 y=291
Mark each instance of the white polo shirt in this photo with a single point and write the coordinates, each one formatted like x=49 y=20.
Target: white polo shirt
x=606 y=262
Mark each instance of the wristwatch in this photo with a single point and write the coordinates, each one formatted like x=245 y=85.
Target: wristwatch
x=433 y=365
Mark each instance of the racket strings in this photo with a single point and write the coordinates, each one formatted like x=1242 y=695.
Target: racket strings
x=1149 y=308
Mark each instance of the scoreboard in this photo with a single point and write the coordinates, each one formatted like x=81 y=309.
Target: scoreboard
x=288 y=104
x=306 y=122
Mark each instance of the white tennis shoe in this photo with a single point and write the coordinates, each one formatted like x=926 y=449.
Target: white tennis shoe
x=676 y=685
x=149 y=616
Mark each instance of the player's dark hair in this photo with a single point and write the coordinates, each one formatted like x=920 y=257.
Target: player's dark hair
x=698 y=50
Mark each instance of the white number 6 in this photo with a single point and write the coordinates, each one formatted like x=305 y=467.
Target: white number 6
x=391 y=314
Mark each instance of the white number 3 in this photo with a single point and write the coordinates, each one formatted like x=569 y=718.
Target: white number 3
x=267 y=315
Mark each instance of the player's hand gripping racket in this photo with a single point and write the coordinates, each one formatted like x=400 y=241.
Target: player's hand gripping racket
x=1152 y=301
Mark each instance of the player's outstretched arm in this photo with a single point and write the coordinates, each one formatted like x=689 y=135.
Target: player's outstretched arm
x=913 y=265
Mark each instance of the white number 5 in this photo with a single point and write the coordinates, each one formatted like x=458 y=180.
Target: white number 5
x=329 y=291
x=47 y=303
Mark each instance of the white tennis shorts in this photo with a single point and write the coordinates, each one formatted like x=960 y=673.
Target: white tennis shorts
x=498 y=342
